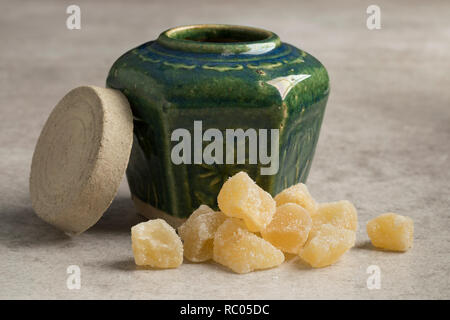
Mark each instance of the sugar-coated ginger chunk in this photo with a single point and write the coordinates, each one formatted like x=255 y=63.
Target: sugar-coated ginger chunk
x=289 y=228
x=156 y=244
x=242 y=251
x=340 y=214
x=391 y=231
x=241 y=197
x=200 y=211
x=298 y=194
x=327 y=245
x=197 y=233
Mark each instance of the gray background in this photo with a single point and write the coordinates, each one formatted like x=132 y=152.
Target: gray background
x=384 y=145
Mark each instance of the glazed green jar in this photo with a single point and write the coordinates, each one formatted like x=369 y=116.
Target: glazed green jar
x=223 y=77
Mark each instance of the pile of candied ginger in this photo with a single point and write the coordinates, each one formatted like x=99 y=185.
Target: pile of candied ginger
x=254 y=231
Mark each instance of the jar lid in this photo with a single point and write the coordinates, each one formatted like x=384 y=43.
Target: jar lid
x=81 y=157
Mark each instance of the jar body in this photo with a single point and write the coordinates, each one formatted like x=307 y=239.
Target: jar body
x=168 y=89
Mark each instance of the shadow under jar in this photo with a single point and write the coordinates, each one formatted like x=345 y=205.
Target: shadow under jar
x=227 y=77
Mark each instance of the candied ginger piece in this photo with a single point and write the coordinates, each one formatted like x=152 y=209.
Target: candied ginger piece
x=200 y=211
x=155 y=243
x=241 y=197
x=298 y=194
x=198 y=232
x=327 y=245
x=203 y=209
x=289 y=228
x=242 y=251
x=391 y=231
x=340 y=214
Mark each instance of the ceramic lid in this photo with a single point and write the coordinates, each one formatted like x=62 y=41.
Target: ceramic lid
x=80 y=158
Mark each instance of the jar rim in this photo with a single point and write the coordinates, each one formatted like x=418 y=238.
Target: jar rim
x=219 y=39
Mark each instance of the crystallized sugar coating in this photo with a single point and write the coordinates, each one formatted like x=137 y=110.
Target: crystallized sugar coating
x=241 y=197
x=242 y=251
x=198 y=212
x=298 y=194
x=289 y=228
x=391 y=231
x=327 y=245
x=198 y=232
x=340 y=214
x=156 y=244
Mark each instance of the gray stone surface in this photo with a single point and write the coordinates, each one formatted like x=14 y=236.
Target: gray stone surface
x=385 y=145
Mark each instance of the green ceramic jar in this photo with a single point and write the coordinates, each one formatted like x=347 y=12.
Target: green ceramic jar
x=227 y=77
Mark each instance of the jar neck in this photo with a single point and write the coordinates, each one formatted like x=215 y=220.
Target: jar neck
x=219 y=39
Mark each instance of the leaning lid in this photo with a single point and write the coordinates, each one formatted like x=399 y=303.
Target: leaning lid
x=81 y=157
